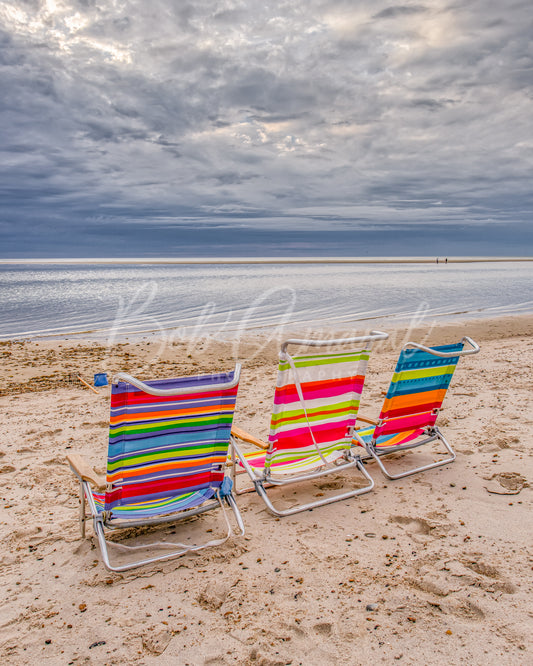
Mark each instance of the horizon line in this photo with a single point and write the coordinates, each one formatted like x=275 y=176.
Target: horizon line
x=260 y=260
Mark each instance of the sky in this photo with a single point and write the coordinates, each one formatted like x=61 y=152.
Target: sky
x=297 y=127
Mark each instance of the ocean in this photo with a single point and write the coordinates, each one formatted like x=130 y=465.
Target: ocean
x=178 y=301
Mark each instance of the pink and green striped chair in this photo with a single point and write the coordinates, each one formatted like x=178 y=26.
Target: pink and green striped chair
x=315 y=407
x=168 y=445
x=412 y=403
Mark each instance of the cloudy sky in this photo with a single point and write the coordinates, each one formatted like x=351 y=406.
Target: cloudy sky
x=171 y=127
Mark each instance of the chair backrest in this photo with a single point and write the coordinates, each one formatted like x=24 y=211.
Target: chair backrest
x=417 y=388
x=162 y=446
x=315 y=403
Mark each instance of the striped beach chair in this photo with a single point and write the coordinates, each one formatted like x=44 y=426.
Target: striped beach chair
x=412 y=403
x=168 y=445
x=315 y=407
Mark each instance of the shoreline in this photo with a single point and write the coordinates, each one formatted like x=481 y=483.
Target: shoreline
x=300 y=329
x=259 y=260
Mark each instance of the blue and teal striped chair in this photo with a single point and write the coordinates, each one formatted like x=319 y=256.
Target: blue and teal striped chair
x=412 y=404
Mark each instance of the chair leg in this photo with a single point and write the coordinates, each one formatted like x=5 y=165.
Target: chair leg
x=377 y=457
x=231 y=502
x=139 y=563
x=237 y=455
x=182 y=549
x=259 y=486
x=82 y=509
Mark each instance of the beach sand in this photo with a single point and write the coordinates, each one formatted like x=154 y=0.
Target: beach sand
x=434 y=569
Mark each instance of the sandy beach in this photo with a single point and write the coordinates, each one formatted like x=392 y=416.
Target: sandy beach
x=434 y=569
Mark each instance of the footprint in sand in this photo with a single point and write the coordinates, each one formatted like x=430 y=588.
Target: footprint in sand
x=482 y=569
x=331 y=485
x=323 y=628
x=506 y=483
x=488 y=571
x=434 y=583
x=415 y=525
x=469 y=611
x=156 y=642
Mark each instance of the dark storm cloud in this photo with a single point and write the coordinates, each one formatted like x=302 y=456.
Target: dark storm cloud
x=288 y=116
x=400 y=10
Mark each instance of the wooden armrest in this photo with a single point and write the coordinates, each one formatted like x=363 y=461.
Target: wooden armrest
x=365 y=420
x=239 y=433
x=82 y=469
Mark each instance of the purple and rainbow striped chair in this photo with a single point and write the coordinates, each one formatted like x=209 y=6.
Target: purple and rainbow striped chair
x=168 y=445
x=412 y=403
x=315 y=408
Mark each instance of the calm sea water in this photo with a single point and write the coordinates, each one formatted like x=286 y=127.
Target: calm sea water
x=182 y=300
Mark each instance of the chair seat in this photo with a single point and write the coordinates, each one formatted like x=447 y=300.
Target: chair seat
x=303 y=464
x=389 y=440
x=154 y=508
